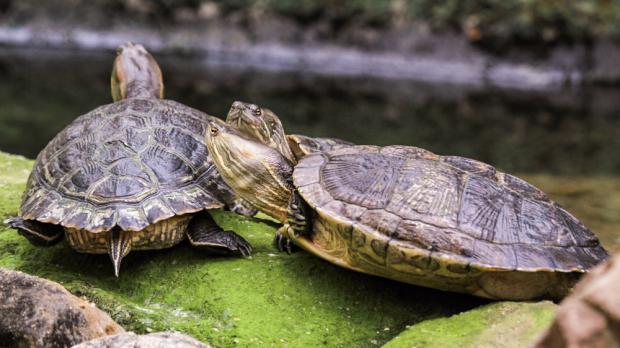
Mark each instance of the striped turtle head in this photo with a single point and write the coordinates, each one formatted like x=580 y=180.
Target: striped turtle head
x=260 y=124
x=256 y=172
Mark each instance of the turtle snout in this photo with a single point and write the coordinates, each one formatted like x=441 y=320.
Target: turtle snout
x=238 y=105
x=131 y=47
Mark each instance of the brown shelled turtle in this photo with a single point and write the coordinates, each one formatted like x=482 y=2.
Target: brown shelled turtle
x=131 y=175
x=404 y=213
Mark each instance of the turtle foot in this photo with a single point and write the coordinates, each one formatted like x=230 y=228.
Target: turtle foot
x=204 y=233
x=242 y=207
x=284 y=243
x=37 y=233
x=297 y=218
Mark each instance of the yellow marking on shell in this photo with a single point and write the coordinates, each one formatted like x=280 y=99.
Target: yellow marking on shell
x=163 y=234
x=349 y=245
x=337 y=243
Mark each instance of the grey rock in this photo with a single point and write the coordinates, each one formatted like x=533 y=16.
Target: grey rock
x=131 y=340
x=40 y=313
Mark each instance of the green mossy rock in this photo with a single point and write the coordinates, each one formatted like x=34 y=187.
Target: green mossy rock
x=501 y=324
x=270 y=299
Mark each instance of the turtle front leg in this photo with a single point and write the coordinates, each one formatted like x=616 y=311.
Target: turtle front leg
x=298 y=215
x=203 y=232
x=37 y=233
x=282 y=240
x=298 y=224
x=233 y=202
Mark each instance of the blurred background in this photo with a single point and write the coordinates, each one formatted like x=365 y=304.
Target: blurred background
x=528 y=86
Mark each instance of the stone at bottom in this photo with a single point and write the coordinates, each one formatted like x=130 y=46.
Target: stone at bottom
x=590 y=317
x=158 y=339
x=40 y=313
x=500 y=324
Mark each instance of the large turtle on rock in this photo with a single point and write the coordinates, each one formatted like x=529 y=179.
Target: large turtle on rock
x=404 y=213
x=131 y=175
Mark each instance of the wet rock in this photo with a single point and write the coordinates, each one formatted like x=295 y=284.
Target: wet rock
x=499 y=324
x=158 y=339
x=40 y=313
x=590 y=317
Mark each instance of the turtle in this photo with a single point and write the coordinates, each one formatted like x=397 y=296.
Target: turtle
x=407 y=214
x=131 y=175
x=265 y=126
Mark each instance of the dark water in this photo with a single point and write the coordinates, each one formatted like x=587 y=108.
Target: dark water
x=562 y=132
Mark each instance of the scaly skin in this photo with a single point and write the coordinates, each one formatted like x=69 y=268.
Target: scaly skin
x=260 y=124
x=256 y=172
x=135 y=74
x=261 y=175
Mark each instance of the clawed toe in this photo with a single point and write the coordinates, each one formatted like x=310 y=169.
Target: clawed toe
x=297 y=225
x=245 y=249
x=283 y=243
x=241 y=245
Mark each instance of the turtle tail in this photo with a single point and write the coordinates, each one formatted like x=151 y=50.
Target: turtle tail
x=119 y=245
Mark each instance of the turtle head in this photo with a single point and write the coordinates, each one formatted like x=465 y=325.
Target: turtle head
x=135 y=74
x=260 y=124
x=256 y=172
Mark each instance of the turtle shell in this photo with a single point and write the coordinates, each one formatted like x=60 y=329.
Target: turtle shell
x=128 y=164
x=395 y=206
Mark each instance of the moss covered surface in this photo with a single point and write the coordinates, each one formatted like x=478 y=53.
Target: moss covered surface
x=501 y=324
x=270 y=299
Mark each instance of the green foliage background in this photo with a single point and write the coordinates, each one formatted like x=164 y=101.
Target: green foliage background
x=489 y=22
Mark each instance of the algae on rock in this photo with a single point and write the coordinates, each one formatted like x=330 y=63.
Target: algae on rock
x=500 y=324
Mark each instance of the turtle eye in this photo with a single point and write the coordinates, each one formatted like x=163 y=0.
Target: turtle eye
x=257 y=111
x=214 y=131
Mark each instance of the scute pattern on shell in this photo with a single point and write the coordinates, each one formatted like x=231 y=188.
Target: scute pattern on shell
x=128 y=164
x=454 y=208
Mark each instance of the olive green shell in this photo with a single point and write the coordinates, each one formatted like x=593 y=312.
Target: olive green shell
x=128 y=164
x=404 y=212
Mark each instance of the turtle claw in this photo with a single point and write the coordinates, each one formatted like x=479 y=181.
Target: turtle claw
x=297 y=218
x=204 y=233
x=243 y=246
x=232 y=243
x=284 y=244
x=297 y=223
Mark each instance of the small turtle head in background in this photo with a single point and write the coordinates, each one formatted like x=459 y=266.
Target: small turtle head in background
x=261 y=124
x=135 y=74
